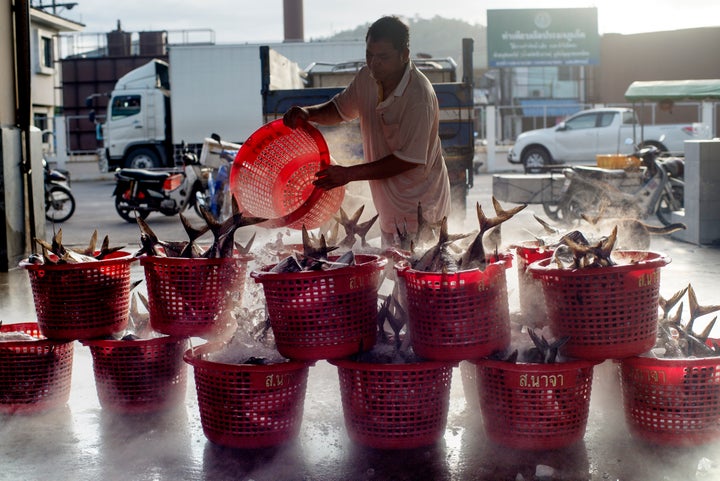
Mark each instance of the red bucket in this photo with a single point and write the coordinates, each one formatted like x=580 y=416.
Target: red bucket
x=395 y=406
x=191 y=297
x=535 y=406
x=457 y=316
x=84 y=300
x=273 y=173
x=140 y=376
x=672 y=402
x=532 y=302
x=34 y=375
x=248 y=406
x=324 y=314
x=607 y=312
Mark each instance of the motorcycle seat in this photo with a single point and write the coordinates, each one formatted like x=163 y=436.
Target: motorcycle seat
x=145 y=174
x=599 y=172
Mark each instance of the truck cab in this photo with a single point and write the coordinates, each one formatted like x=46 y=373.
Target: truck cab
x=136 y=129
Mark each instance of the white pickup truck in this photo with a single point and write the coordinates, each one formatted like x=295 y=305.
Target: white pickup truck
x=585 y=134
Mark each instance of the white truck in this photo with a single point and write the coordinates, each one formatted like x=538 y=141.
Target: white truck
x=215 y=89
x=588 y=133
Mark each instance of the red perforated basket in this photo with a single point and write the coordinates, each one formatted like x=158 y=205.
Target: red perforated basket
x=534 y=406
x=248 y=406
x=672 y=402
x=34 y=375
x=273 y=173
x=83 y=300
x=144 y=375
x=532 y=301
x=324 y=314
x=607 y=312
x=395 y=406
x=457 y=316
x=192 y=297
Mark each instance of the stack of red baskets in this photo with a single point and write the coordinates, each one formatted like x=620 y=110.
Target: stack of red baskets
x=34 y=375
x=82 y=300
x=248 y=406
x=324 y=314
x=672 y=402
x=607 y=312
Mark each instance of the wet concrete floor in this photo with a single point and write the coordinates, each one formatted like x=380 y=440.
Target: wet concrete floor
x=82 y=441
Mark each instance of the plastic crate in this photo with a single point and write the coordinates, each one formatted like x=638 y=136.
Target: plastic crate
x=324 y=314
x=83 y=300
x=534 y=406
x=35 y=376
x=672 y=402
x=273 y=173
x=247 y=406
x=395 y=406
x=607 y=312
x=457 y=316
x=192 y=297
x=144 y=375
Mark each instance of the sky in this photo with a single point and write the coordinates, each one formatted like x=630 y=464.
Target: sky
x=252 y=21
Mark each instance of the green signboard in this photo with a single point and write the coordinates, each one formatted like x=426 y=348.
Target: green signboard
x=547 y=36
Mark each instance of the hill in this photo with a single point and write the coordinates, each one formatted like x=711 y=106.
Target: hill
x=438 y=37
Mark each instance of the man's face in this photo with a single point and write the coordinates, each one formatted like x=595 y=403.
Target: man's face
x=385 y=61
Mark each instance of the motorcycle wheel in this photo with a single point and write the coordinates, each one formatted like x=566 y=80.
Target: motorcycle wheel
x=59 y=204
x=577 y=203
x=551 y=210
x=127 y=212
x=665 y=205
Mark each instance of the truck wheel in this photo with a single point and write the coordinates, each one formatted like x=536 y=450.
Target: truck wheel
x=142 y=159
x=535 y=159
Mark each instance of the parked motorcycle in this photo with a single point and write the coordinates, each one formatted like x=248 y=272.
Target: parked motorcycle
x=656 y=188
x=59 y=200
x=138 y=192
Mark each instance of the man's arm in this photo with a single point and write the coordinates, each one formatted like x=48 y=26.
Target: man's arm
x=336 y=175
x=325 y=113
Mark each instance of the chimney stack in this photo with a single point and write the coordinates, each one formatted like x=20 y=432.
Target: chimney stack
x=293 y=20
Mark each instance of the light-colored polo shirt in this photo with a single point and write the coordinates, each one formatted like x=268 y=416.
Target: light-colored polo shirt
x=406 y=125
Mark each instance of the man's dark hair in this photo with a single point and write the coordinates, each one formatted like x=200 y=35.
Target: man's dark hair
x=392 y=29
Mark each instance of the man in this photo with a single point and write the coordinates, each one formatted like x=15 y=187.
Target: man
x=399 y=117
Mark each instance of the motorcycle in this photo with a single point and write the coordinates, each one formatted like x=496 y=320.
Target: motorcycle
x=59 y=200
x=657 y=188
x=138 y=192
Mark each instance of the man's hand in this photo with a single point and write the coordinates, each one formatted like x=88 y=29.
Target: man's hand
x=296 y=116
x=331 y=177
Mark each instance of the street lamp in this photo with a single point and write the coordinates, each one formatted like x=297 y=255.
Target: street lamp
x=54 y=5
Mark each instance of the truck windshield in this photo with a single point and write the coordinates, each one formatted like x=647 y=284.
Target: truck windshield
x=125 y=106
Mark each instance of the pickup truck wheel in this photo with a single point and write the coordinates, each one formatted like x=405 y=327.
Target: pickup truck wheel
x=142 y=159
x=535 y=159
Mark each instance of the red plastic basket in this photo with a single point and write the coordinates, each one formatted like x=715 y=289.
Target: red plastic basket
x=273 y=173
x=324 y=314
x=534 y=406
x=672 y=402
x=34 y=375
x=83 y=300
x=395 y=406
x=191 y=297
x=140 y=376
x=247 y=406
x=458 y=316
x=532 y=302
x=608 y=312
